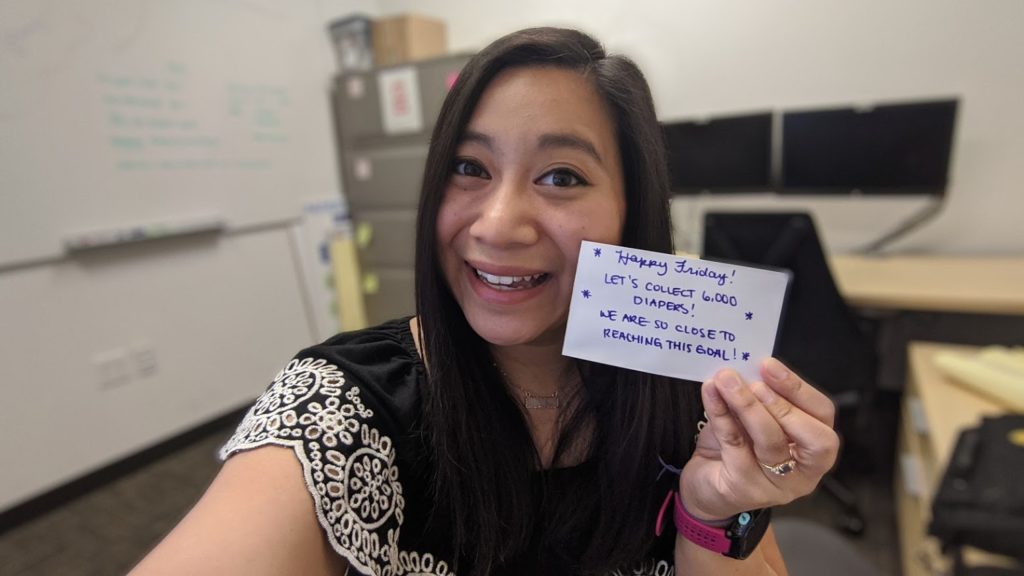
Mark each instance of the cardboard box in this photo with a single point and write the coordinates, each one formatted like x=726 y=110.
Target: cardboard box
x=406 y=38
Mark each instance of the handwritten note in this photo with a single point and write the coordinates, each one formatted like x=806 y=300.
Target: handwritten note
x=669 y=315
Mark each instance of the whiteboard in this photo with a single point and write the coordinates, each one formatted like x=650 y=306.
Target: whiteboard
x=117 y=114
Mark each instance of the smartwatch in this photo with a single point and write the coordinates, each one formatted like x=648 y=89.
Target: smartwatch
x=737 y=539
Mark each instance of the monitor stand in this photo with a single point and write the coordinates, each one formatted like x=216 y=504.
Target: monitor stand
x=910 y=224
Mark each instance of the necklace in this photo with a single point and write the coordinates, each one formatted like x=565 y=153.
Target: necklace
x=530 y=400
x=536 y=401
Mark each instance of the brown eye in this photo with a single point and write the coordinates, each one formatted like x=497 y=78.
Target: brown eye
x=469 y=168
x=561 y=178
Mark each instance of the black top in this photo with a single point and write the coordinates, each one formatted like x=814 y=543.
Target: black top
x=349 y=408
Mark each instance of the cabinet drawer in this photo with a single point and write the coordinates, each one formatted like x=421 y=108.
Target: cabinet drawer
x=358 y=102
x=386 y=239
x=357 y=106
x=434 y=77
x=384 y=179
x=388 y=293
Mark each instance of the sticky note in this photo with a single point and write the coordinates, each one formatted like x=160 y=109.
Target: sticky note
x=364 y=234
x=670 y=315
x=371 y=283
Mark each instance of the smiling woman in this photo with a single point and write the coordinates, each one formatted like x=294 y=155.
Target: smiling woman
x=527 y=186
x=462 y=440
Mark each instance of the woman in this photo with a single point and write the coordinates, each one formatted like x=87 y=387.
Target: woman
x=461 y=439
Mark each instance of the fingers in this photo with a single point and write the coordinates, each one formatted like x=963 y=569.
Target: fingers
x=723 y=426
x=744 y=424
x=804 y=412
x=815 y=444
x=802 y=395
x=776 y=427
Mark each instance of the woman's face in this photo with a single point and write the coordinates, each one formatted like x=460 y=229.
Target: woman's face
x=537 y=170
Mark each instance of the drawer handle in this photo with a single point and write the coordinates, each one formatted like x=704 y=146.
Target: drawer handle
x=371 y=283
x=364 y=235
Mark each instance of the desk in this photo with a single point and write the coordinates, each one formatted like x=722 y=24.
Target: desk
x=934 y=410
x=982 y=284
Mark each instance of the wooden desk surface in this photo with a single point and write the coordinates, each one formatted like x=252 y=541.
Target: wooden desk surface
x=949 y=406
x=944 y=409
x=973 y=284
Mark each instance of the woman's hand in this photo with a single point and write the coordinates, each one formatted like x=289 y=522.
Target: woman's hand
x=751 y=428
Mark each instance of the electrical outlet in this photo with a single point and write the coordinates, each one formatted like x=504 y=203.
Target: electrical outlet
x=144 y=361
x=112 y=368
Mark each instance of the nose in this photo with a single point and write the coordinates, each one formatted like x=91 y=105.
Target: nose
x=507 y=216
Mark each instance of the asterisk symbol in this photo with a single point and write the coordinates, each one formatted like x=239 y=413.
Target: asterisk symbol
x=586 y=293
x=750 y=315
x=597 y=252
x=746 y=355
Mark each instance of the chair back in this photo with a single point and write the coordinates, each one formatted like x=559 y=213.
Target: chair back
x=820 y=337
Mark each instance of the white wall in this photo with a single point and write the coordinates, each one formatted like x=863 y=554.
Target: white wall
x=222 y=315
x=190 y=327
x=723 y=56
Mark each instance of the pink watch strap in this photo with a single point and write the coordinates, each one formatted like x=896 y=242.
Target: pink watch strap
x=705 y=536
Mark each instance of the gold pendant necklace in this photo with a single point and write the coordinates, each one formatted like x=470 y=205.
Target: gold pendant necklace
x=530 y=400
x=535 y=401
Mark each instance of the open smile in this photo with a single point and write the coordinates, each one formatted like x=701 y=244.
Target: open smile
x=511 y=282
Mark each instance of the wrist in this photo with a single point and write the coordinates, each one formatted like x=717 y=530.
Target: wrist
x=705 y=514
x=737 y=538
x=717 y=523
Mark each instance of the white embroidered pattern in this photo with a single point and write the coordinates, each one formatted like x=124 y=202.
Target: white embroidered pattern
x=349 y=465
x=349 y=468
x=649 y=568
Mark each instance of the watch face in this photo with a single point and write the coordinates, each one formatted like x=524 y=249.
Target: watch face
x=746 y=531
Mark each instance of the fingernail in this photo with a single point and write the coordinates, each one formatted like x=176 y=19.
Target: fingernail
x=712 y=392
x=776 y=370
x=728 y=380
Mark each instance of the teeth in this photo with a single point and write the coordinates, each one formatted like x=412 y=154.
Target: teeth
x=507 y=281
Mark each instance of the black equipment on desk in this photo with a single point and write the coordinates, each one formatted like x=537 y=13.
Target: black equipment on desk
x=980 y=501
x=721 y=155
x=894 y=149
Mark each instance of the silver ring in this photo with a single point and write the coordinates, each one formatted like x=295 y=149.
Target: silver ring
x=780 y=469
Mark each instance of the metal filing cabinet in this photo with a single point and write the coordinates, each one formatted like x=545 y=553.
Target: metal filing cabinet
x=384 y=120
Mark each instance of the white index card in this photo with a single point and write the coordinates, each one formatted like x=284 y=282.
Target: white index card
x=671 y=315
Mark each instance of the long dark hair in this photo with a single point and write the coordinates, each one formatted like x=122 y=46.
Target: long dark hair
x=484 y=459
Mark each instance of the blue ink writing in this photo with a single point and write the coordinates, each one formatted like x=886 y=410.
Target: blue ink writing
x=719 y=353
x=706 y=333
x=627 y=258
x=635 y=319
x=669 y=290
x=620 y=280
x=633 y=338
x=679 y=346
x=660 y=304
x=684 y=267
x=719 y=298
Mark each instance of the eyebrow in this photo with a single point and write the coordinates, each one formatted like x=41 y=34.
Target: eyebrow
x=478 y=137
x=546 y=141
x=565 y=140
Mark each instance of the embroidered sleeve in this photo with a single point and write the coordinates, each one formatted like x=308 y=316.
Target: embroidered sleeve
x=648 y=568
x=348 y=464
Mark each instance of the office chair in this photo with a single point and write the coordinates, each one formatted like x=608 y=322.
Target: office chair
x=811 y=550
x=819 y=336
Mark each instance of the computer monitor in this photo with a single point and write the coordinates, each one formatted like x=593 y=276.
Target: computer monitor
x=727 y=154
x=896 y=149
